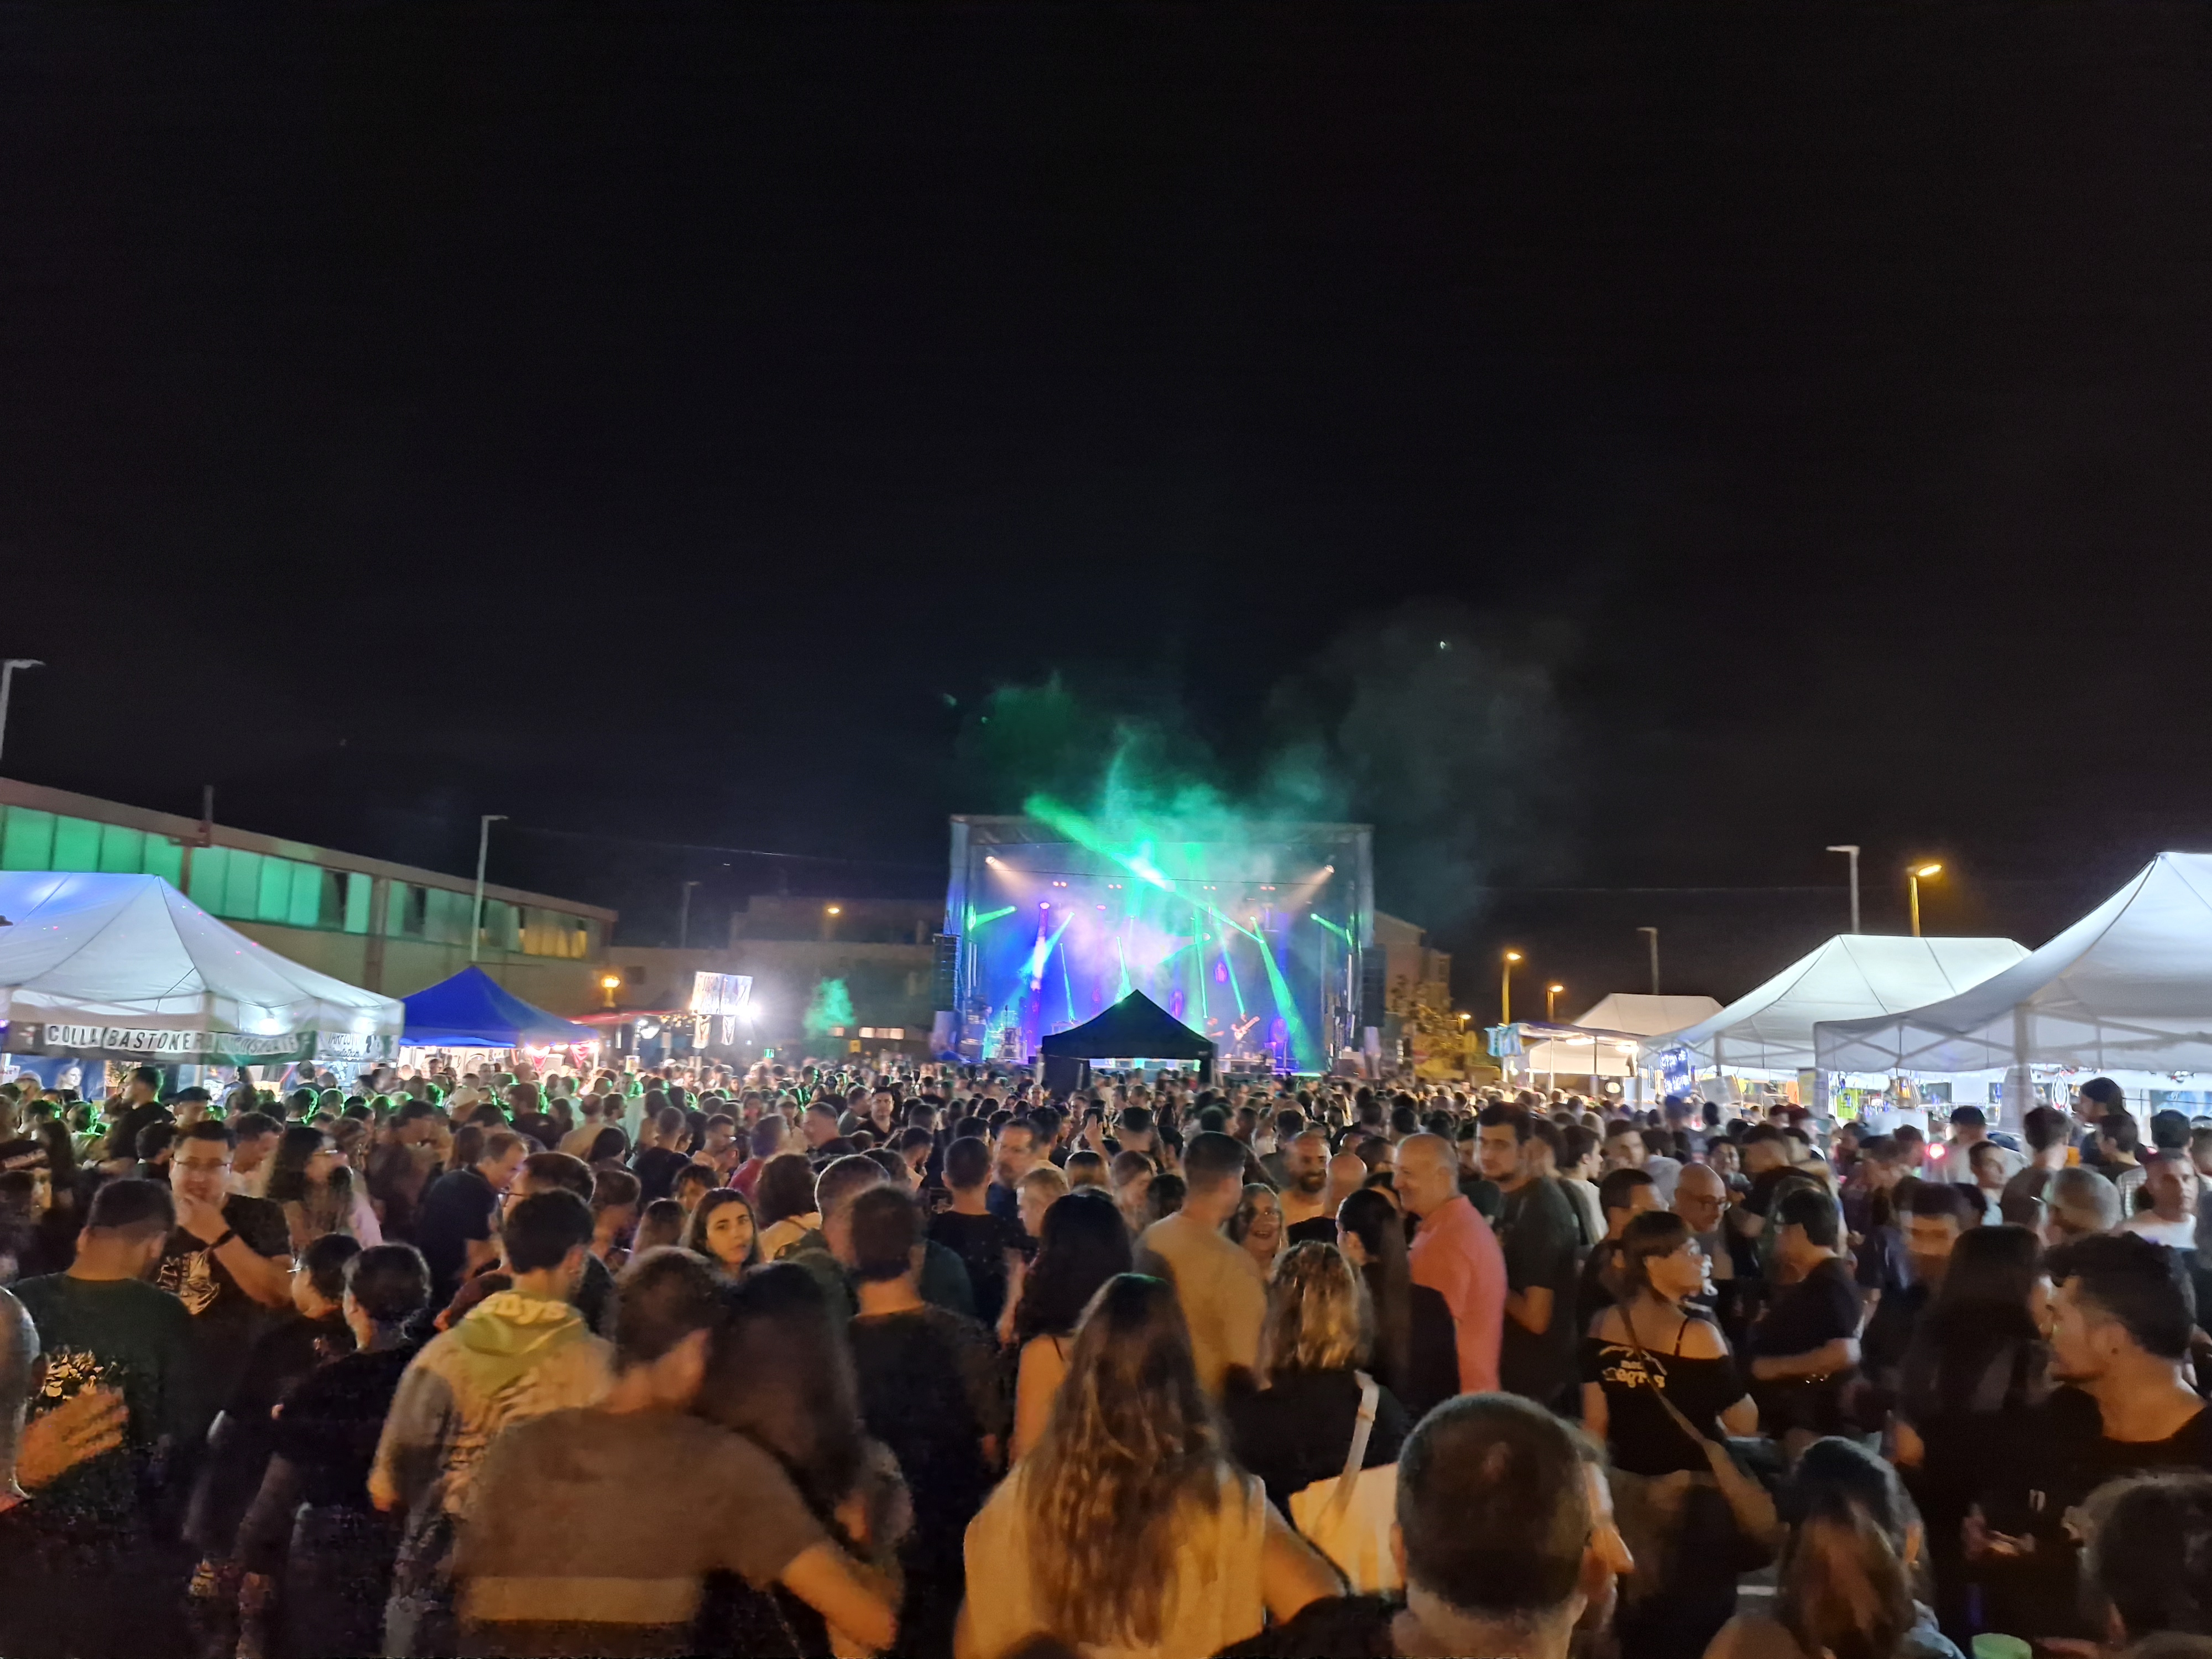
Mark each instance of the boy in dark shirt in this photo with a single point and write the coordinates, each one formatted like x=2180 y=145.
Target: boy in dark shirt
x=930 y=1391
x=987 y=1242
x=659 y=1161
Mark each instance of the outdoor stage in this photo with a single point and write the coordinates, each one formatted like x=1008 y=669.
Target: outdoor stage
x=1254 y=934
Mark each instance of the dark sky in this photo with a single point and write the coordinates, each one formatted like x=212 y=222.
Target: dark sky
x=673 y=423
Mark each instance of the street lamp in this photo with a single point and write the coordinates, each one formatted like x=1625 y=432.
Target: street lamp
x=1913 y=878
x=611 y=983
x=8 y=679
x=1505 y=989
x=1551 y=1000
x=1652 y=933
x=683 y=917
x=483 y=850
x=1853 y=853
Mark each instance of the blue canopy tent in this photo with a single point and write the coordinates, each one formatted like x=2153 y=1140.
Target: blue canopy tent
x=472 y=1010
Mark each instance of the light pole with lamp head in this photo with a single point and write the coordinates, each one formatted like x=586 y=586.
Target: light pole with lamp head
x=1551 y=1000
x=1913 y=878
x=7 y=682
x=1652 y=934
x=483 y=851
x=1853 y=854
x=1505 y=989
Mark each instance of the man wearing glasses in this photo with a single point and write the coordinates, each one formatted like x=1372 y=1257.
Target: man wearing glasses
x=228 y=1261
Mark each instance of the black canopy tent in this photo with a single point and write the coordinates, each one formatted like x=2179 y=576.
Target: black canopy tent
x=1135 y=1028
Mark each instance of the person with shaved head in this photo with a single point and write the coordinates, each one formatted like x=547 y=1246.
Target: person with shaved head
x=1455 y=1254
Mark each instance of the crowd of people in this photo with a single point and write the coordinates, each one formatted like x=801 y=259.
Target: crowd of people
x=924 y=1360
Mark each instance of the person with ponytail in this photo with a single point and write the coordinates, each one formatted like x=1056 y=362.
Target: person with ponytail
x=1416 y=1352
x=1845 y=1586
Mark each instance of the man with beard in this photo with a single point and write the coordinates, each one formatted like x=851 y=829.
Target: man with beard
x=1307 y=1213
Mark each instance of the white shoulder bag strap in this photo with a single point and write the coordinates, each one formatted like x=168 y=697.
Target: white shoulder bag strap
x=1356 y=1459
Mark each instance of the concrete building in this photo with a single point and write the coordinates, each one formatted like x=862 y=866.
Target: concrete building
x=388 y=927
x=879 y=954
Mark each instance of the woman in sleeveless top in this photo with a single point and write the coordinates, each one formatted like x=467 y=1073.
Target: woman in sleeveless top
x=1659 y=1387
x=1082 y=1244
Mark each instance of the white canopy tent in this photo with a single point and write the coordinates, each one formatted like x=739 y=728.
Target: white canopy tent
x=127 y=968
x=2128 y=987
x=1600 y=1043
x=1770 y=1029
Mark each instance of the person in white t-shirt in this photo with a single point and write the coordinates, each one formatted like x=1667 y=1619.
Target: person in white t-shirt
x=2171 y=1184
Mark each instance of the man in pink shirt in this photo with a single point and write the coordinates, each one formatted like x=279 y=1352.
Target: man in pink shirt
x=1455 y=1254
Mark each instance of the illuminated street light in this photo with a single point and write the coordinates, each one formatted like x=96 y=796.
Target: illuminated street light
x=611 y=983
x=1913 y=878
x=1551 y=1000
x=1852 y=853
x=1505 y=989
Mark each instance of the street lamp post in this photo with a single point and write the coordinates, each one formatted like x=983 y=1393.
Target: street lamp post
x=1652 y=935
x=7 y=682
x=1853 y=853
x=1551 y=1000
x=1505 y=989
x=483 y=851
x=683 y=917
x=1912 y=879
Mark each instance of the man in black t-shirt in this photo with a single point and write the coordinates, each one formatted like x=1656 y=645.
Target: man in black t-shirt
x=1536 y=1231
x=659 y=1162
x=229 y=1260
x=453 y=1227
x=99 y=1542
x=986 y=1242
x=929 y=1390
x=1806 y=1346
x=2120 y=1320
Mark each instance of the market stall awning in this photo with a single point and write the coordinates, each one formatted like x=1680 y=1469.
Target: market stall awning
x=1853 y=976
x=1576 y=1051
x=472 y=1010
x=2128 y=987
x=1643 y=1015
x=126 y=967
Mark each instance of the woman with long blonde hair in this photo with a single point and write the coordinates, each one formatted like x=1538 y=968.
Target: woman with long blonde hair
x=1128 y=1532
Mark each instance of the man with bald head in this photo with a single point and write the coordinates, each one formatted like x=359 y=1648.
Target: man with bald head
x=1455 y=1254
x=1701 y=1198
x=1306 y=1212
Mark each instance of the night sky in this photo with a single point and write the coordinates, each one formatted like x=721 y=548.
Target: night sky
x=1607 y=447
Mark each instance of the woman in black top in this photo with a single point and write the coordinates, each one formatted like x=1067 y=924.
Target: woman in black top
x=1643 y=1355
x=1975 y=1372
x=1416 y=1348
x=1651 y=1345
x=311 y=1525
x=1298 y=1429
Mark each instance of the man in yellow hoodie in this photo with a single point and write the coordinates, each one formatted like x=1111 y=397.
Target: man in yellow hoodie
x=519 y=1354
